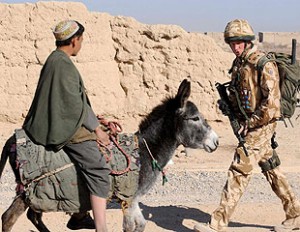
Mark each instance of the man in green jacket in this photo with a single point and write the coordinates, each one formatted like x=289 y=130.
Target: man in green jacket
x=61 y=117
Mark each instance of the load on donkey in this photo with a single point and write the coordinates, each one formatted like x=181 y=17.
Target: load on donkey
x=176 y=121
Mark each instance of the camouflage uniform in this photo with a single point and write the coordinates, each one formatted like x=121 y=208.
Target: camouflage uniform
x=260 y=99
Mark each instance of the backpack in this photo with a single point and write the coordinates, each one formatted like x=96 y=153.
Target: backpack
x=289 y=74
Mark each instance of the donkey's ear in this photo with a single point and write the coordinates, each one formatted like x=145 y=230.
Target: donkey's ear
x=184 y=91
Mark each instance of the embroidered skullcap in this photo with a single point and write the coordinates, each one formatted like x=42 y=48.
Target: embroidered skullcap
x=65 y=30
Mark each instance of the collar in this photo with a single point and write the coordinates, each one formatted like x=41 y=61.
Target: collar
x=247 y=52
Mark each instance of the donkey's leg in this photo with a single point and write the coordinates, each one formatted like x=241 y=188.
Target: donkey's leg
x=36 y=219
x=133 y=219
x=11 y=215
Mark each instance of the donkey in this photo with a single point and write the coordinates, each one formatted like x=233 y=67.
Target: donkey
x=176 y=121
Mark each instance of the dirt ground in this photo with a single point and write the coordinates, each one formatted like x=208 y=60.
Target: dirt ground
x=186 y=200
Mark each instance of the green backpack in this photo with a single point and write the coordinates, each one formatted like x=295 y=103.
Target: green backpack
x=289 y=73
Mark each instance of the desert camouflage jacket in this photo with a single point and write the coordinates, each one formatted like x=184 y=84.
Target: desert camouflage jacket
x=255 y=97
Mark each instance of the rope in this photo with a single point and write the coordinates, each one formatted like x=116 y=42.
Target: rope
x=155 y=165
x=51 y=173
x=127 y=169
x=114 y=129
x=101 y=146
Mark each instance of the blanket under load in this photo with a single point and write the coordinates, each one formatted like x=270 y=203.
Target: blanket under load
x=53 y=183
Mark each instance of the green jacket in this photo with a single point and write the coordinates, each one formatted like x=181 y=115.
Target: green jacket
x=59 y=105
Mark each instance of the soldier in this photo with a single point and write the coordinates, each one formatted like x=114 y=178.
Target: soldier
x=256 y=102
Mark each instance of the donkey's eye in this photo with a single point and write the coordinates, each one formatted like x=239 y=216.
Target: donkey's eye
x=195 y=118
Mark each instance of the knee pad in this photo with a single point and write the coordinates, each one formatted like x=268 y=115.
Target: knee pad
x=271 y=163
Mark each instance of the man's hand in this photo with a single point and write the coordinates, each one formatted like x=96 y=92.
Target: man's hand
x=102 y=137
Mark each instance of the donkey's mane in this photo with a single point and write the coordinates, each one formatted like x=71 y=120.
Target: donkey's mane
x=167 y=107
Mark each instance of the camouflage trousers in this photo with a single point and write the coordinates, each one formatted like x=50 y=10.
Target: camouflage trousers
x=259 y=149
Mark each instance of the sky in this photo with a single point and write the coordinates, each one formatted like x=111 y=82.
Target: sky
x=202 y=15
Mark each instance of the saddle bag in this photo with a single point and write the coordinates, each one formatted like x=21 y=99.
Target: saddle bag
x=53 y=183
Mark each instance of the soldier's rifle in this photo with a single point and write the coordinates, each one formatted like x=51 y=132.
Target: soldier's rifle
x=228 y=110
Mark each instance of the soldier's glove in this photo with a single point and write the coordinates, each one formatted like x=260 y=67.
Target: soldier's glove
x=244 y=128
x=223 y=107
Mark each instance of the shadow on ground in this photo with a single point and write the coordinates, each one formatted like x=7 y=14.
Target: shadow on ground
x=161 y=215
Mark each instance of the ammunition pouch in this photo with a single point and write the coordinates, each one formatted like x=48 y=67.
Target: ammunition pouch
x=271 y=163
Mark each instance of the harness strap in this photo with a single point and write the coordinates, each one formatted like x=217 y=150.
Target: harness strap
x=271 y=163
x=233 y=89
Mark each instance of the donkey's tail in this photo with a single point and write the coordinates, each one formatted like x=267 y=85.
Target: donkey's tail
x=6 y=151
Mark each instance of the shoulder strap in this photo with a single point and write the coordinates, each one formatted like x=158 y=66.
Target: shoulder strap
x=259 y=60
x=255 y=57
x=264 y=59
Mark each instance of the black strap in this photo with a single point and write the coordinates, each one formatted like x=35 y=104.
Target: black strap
x=271 y=163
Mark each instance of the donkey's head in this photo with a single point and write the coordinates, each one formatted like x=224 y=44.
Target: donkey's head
x=192 y=130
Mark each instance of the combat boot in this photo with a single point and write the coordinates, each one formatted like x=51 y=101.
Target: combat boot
x=85 y=222
x=288 y=225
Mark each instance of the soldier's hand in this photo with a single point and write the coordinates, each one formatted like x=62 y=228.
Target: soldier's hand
x=244 y=129
x=223 y=107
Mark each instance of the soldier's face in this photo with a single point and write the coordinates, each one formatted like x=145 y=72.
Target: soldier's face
x=237 y=47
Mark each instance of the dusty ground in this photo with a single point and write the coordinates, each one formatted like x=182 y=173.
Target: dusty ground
x=193 y=191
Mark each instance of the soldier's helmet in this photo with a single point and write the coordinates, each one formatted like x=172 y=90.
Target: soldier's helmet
x=238 y=30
